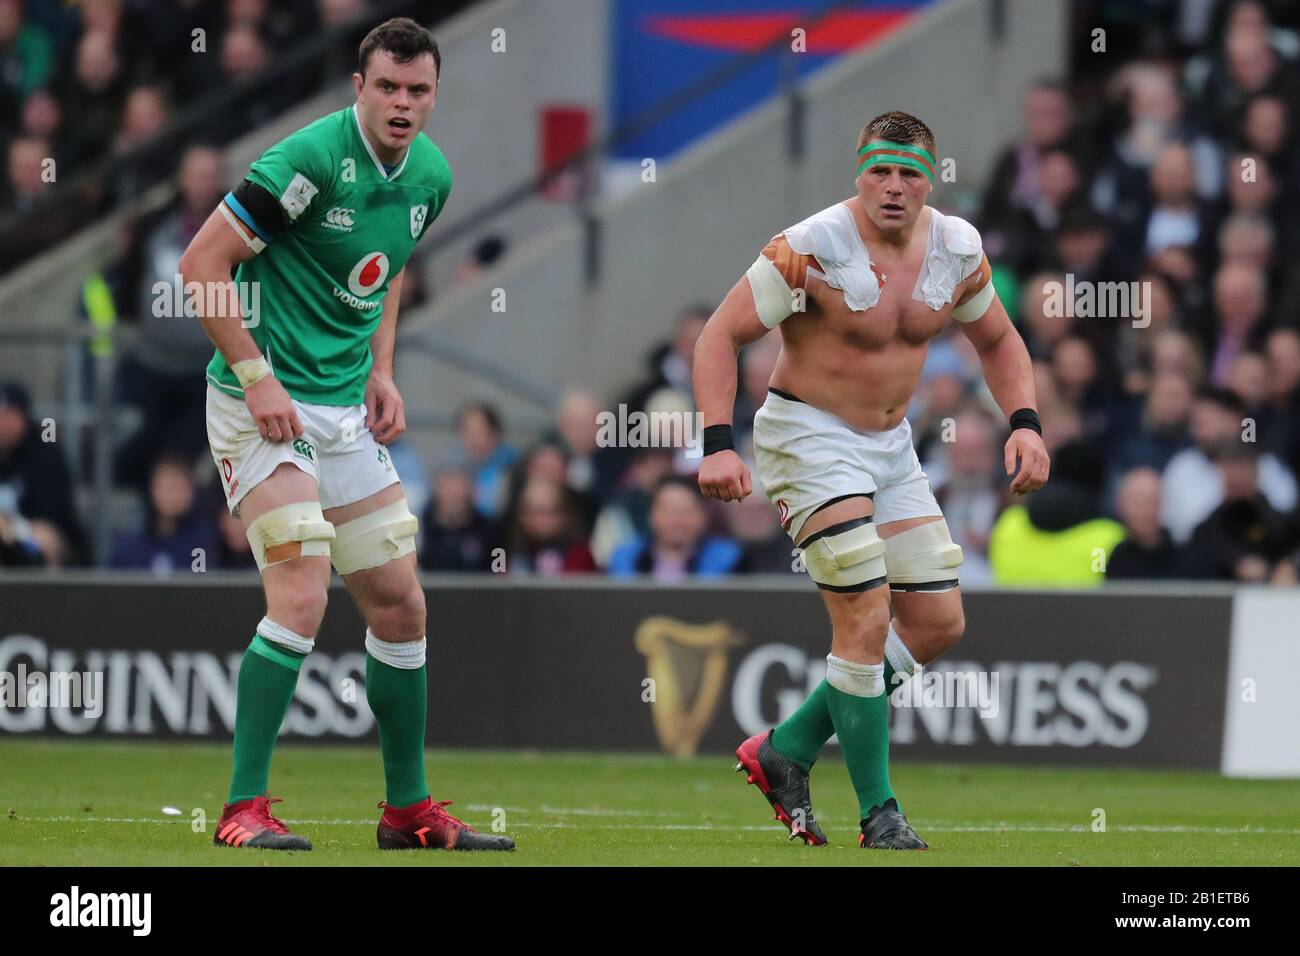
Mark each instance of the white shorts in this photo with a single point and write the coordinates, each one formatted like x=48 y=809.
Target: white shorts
x=807 y=458
x=336 y=449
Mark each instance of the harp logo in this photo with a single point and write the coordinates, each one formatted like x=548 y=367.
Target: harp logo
x=688 y=663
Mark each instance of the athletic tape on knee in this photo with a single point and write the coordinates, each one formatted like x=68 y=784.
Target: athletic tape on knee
x=293 y=531
x=282 y=636
x=407 y=656
x=850 y=677
x=923 y=555
x=375 y=538
x=851 y=559
x=900 y=658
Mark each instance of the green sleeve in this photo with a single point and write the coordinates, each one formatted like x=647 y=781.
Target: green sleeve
x=299 y=172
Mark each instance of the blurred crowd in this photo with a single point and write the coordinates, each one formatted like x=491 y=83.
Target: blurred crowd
x=1169 y=161
x=97 y=97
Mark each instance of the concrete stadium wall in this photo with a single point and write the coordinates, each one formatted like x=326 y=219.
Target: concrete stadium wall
x=691 y=234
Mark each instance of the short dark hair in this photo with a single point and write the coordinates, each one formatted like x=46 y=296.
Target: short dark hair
x=405 y=39
x=898 y=127
x=677 y=481
x=489 y=412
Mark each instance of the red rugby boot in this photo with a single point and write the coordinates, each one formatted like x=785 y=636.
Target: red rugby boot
x=249 y=823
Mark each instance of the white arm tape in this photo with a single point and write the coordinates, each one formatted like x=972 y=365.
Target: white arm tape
x=254 y=243
x=976 y=307
x=773 y=299
x=251 y=370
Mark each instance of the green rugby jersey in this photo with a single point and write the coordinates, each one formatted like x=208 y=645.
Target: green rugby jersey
x=349 y=226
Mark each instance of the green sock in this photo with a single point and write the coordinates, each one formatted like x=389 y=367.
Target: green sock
x=268 y=675
x=399 y=699
x=862 y=724
x=803 y=734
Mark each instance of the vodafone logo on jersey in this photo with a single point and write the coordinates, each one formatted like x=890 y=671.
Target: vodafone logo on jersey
x=368 y=274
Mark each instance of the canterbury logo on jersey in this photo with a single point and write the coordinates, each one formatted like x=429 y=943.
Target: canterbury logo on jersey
x=340 y=219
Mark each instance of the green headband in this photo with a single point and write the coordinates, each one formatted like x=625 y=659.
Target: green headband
x=898 y=154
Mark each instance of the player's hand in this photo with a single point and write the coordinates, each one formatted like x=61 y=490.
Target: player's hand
x=385 y=410
x=272 y=409
x=724 y=476
x=1026 y=447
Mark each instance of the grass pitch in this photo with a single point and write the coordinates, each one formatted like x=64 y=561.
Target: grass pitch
x=75 y=803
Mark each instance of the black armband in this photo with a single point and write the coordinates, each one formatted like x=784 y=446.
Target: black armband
x=265 y=210
x=1026 y=418
x=717 y=438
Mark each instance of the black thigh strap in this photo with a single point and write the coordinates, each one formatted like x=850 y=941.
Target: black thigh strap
x=835 y=529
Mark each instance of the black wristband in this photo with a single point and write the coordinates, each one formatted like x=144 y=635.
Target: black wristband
x=717 y=438
x=1024 y=418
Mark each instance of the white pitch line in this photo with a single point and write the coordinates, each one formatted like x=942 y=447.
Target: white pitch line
x=725 y=827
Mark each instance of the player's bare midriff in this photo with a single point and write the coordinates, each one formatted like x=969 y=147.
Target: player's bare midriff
x=863 y=367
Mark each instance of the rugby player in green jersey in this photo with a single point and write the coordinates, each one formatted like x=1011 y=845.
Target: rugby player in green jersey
x=301 y=403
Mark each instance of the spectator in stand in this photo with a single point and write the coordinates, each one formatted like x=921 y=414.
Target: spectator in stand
x=970 y=488
x=1245 y=537
x=1192 y=485
x=677 y=547
x=162 y=372
x=671 y=362
x=175 y=528
x=94 y=92
x=1015 y=187
x=1176 y=217
x=766 y=548
x=592 y=469
x=627 y=516
x=486 y=456
x=545 y=537
x=1240 y=298
x=43 y=119
x=1279 y=405
x=144 y=118
x=1163 y=430
x=547 y=461
x=1147 y=550
x=1042 y=322
x=27 y=176
x=26 y=61
x=1249 y=67
x=234 y=553
x=35 y=484
x=456 y=537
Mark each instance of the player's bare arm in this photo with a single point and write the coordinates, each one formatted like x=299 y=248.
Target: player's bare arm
x=1010 y=377
x=385 y=411
x=734 y=325
x=210 y=260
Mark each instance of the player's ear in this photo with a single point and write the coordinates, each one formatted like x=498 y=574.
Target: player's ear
x=358 y=83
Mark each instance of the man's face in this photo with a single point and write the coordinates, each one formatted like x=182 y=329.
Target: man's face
x=395 y=99
x=13 y=424
x=892 y=196
x=677 y=518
